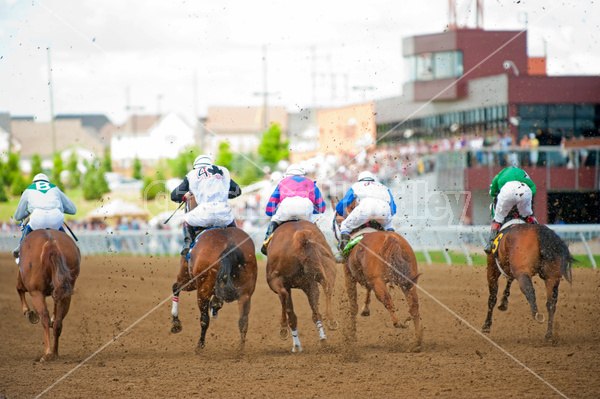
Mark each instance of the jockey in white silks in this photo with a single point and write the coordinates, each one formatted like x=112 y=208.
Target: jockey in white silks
x=295 y=197
x=374 y=201
x=211 y=186
x=45 y=204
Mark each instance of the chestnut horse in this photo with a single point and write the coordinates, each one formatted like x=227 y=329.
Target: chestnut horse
x=381 y=259
x=222 y=267
x=48 y=265
x=524 y=250
x=299 y=257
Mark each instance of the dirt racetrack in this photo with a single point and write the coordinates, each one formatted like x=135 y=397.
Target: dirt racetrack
x=114 y=292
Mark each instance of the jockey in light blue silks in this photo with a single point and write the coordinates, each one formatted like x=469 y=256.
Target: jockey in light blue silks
x=45 y=204
x=374 y=202
x=211 y=186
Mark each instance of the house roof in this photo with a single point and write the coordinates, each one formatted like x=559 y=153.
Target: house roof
x=5 y=121
x=94 y=121
x=139 y=123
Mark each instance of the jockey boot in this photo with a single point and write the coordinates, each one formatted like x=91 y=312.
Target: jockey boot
x=188 y=233
x=531 y=220
x=493 y=235
x=270 y=231
x=17 y=250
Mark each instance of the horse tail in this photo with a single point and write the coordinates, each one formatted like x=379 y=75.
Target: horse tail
x=62 y=279
x=232 y=260
x=399 y=261
x=552 y=247
x=307 y=249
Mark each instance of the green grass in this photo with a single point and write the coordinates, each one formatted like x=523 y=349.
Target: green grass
x=459 y=258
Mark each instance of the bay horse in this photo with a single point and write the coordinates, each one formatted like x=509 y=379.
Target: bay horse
x=298 y=256
x=48 y=265
x=524 y=250
x=222 y=267
x=381 y=259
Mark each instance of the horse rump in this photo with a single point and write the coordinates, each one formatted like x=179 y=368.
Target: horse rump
x=306 y=248
x=400 y=262
x=61 y=275
x=232 y=261
x=553 y=247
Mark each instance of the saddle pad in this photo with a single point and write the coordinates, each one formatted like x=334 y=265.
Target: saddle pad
x=498 y=238
x=351 y=244
x=187 y=257
x=362 y=232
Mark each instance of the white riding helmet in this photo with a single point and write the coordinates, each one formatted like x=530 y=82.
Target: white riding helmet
x=202 y=160
x=295 y=170
x=366 y=176
x=41 y=177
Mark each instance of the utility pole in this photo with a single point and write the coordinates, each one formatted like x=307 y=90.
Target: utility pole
x=313 y=51
x=265 y=91
x=132 y=110
x=52 y=130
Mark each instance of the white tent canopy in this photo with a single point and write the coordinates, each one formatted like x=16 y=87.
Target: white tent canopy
x=117 y=208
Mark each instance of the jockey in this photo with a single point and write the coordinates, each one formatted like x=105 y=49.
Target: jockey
x=511 y=187
x=295 y=197
x=45 y=204
x=211 y=186
x=374 y=202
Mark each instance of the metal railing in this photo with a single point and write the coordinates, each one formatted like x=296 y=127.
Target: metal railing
x=425 y=239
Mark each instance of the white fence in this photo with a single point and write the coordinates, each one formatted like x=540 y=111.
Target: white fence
x=468 y=239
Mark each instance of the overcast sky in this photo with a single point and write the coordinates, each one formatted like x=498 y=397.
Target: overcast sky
x=185 y=56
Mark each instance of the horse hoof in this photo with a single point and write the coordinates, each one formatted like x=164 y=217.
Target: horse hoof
x=503 y=306
x=332 y=325
x=539 y=317
x=176 y=327
x=199 y=349
x=47 y=357
x=365 y=313
x=400 y=325
x=284 y=333
x=296 y=349
x=485 y=329
x=33 y=316
x=548 y=336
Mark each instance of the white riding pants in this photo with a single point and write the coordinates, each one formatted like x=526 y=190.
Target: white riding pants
x=46 y=219
x=513 y=193
x=217 y=214
x=368 y=209
x=294 y=208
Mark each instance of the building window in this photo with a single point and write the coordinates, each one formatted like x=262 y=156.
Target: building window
x=430 y=66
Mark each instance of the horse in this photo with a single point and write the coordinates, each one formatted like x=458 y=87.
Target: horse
x=222 y=267
x=48 y=265
x=298 y=256
x=520 y=252
x=381 y=259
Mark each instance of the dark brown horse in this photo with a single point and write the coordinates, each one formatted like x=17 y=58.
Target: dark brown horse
x=222 y=268
x=380 y=259
x=299 y=257
x=525 y=250
x=49 y=265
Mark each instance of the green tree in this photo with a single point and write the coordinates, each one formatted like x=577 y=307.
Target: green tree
x=154 y=185
x=137 y=169
x=224 y=156
x=74 y=173
x=19 y=184
x=271 y=148
x=3 y=195
x=244 y=169
x=184 y=162
x=36 y=165
x=11 y=168
x=94 y=183
x=57 y=169
x=107 y=161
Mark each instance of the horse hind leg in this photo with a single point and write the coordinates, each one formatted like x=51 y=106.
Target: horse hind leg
x=312 y=293
x=504 y=301
x=526 y=286
x=383 y=295
x=492 y=276
x=244 y=308
x=285 y=297
x=61 y=308
x=39 y=304
x=365 y=312
x=32 y=316
x=410 y=292
x=203 y=304
x=551 y=299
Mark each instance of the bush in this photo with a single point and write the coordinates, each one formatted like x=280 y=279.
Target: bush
x=36 y=165
x=94 y=183
x=19 y=184
x=3 y=195
x=137 y=169
x=154 y=185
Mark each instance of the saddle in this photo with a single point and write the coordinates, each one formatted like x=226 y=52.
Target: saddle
x=198 y=236
x=268 y=240
x=358 y=234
